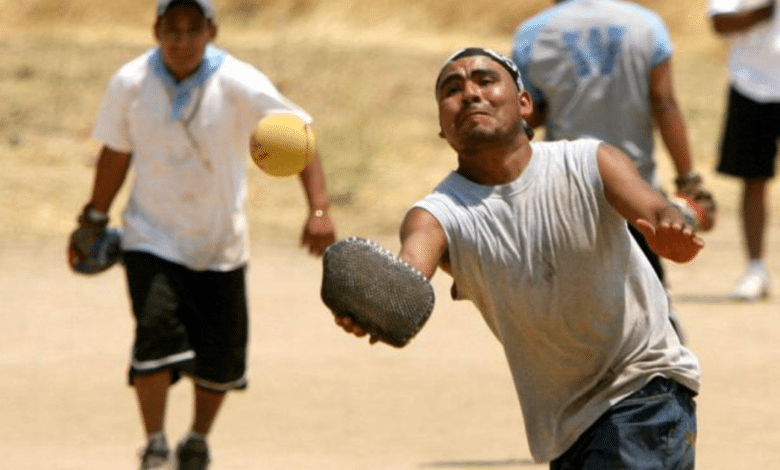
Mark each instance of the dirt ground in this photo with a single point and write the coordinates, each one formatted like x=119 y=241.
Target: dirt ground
x=320 y=399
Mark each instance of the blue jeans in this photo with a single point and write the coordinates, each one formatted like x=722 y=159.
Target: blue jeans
x=652 y=429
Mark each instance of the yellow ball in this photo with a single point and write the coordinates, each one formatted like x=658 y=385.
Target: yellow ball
x=282 y=144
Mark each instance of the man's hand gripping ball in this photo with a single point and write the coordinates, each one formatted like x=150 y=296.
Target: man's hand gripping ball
x=695 y=202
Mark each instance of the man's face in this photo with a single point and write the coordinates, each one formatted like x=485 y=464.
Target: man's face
x=183 y=33
x=479 y=103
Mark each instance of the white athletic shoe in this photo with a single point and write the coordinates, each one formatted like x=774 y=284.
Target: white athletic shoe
x=753 y=285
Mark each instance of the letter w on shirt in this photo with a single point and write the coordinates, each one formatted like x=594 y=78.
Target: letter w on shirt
x=599 y=53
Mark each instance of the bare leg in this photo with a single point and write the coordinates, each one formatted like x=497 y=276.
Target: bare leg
x=754 y=284
x=152 y=392
x=207 y=404
x=192 y=452
x=754 y=217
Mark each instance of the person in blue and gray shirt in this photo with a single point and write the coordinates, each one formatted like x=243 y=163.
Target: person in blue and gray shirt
x=603 y=69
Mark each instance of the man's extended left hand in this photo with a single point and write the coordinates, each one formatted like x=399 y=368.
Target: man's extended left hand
x=673 y=240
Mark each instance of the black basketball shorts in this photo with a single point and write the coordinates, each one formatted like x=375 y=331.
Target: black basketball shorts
x=192 y=322
x=749 y=141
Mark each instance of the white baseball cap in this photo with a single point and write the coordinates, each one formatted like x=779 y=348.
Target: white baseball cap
x=205 y=6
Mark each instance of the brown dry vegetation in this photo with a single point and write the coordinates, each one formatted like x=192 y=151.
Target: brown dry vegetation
x=363 y=69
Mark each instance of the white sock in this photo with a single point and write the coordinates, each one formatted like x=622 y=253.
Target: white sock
x=157 y=440
x=756 y=265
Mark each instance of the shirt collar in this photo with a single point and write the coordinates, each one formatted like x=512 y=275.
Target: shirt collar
x=182 y=91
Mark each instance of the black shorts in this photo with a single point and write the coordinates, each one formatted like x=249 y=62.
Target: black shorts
x=187 y=321
x=749 y=141
x=655 y=260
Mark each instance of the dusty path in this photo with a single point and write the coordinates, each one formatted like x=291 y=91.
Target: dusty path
x=319 y=399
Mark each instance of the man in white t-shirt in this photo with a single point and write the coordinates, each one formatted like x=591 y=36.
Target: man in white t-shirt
x=535 y=235
x=752 y=125
x=181 y=115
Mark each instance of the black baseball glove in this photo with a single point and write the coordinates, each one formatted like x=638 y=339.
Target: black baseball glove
x=387 y=297
x=92 y=247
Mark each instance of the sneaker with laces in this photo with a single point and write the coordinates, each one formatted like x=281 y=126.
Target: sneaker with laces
x=192 y=454
x=753 y=285
x=154 y=457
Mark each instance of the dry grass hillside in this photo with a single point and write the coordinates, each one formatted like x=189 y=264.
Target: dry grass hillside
x=363 y=69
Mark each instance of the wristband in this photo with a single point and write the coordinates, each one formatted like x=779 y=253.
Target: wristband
x=688 y=178
x=94 y=216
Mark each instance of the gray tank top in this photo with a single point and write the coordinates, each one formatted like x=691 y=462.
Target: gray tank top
x=560 y=281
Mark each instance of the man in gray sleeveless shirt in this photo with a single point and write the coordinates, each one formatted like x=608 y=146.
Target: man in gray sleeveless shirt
x=535 y=235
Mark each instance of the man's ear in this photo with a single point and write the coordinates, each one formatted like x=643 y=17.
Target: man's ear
x=441 y=134
x=526 y=104
x=538 y=113
x=156 y=30
x=212 y=31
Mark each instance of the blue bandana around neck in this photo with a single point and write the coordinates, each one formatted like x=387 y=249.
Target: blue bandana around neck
x=182 y=91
